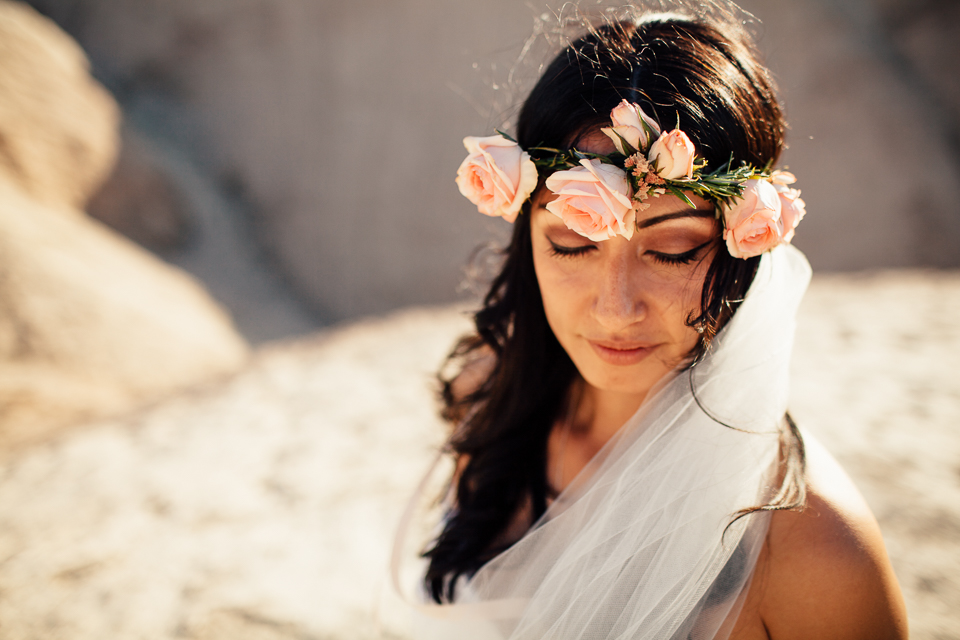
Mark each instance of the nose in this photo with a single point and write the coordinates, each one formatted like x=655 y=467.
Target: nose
x=619 y=299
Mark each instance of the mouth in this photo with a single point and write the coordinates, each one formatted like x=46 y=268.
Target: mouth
x=621 y=353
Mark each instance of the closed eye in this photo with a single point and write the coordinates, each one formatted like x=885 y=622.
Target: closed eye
x=678 y=258
x=569 y=252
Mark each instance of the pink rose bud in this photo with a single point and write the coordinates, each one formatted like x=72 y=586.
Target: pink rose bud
x=673 y=154
x=753 y=224
x=628 y=125
x=782 y=178
x=593 y=200
x=498 y=176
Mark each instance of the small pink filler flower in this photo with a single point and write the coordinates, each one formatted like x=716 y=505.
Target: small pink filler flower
x=498 y=176
x=753 y=224
x=593 y=200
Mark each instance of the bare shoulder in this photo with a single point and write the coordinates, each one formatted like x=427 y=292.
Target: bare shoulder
x=825 y=572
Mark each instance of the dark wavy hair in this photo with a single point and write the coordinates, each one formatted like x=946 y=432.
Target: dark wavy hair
x=681 y=71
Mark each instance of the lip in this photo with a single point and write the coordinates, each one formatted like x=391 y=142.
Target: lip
x=621 y=353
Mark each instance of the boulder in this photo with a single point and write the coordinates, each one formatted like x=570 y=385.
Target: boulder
x=90 y=324
x=141 y=200
x=341 y=125
x=159 y=198
x=57 y=124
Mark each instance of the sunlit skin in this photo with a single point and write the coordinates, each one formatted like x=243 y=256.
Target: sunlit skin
x=620 y=307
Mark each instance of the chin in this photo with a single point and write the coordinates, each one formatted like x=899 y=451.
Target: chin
x=636 y=380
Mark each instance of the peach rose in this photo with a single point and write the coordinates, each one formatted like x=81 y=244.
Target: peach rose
x=498 y=176
x=673 y=153
x=792 y=207
x=753 y=224
x=593 y=200
x=628 y=119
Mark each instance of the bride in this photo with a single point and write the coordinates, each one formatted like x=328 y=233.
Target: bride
x=625 y=466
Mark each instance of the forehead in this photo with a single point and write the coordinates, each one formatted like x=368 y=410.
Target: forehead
x=596 y=141
x=670 y=207
x=661 y=209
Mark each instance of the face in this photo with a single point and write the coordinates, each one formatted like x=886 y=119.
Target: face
x=620 y=307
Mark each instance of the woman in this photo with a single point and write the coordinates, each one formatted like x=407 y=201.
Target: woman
x=625 y=466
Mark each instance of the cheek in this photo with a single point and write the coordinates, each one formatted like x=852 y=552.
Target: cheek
x=557 y=290
x=675 y=293
x=566 y=287
x=684 y=296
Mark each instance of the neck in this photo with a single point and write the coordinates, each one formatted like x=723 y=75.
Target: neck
x=601 y=413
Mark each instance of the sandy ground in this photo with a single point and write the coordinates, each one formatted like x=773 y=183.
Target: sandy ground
x=263 y=508
x=875 y=378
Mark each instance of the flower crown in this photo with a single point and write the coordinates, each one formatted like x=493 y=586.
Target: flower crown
x=598 y=196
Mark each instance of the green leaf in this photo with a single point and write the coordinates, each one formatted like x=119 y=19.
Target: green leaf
x=626 y=145
x=680 y=194
x=651 y=134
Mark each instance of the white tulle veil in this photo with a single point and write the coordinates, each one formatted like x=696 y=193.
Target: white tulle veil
x=641 y=544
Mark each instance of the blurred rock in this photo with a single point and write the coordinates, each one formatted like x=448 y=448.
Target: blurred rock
x=90 y=324
x=139 y=199
x=57 y=125
x=160 y=199
x=341 y=125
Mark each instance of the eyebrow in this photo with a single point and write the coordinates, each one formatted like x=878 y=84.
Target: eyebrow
x=695 y=213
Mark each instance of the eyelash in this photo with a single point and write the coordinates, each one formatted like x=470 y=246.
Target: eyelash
x=569 y=252
x=663 y=258
x=678 y=258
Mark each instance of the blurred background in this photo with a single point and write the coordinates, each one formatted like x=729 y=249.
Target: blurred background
x=328 y=135
x=232 y=254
